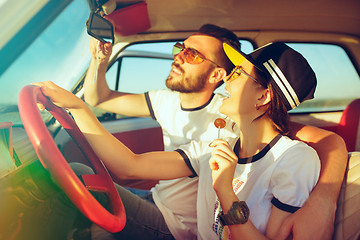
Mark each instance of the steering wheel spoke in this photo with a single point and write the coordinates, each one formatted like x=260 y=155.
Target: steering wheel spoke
x=95 y=182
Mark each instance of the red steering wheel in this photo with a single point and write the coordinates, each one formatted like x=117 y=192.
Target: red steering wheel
x=52 y=159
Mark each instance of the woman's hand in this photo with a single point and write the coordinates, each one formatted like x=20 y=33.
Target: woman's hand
x=222 y=163
x=59 y=96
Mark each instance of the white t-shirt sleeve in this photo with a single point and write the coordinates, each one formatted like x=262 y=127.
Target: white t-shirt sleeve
x=155 y=100
x=194 y=153
x=294 y=177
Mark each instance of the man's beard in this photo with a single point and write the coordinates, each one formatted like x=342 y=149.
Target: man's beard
x=188 y=85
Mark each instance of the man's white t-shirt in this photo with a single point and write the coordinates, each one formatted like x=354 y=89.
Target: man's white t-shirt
x=177 y=198
x=282 y=175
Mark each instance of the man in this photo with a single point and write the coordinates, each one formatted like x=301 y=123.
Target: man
x=197 y=70
x=199 y=78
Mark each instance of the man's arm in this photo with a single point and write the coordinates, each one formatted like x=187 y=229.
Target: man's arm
x=97 y=92
x=117 y=157
x=316 y=219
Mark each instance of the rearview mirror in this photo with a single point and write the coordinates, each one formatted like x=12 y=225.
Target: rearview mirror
x=100 y=28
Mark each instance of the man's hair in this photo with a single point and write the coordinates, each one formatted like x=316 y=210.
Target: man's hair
x=224 y=35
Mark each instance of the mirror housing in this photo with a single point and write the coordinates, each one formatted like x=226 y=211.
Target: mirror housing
x=100 y=28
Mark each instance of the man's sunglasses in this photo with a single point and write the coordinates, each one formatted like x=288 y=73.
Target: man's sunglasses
x=191 y=55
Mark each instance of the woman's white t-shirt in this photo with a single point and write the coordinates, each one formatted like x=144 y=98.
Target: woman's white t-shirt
x=282 y=175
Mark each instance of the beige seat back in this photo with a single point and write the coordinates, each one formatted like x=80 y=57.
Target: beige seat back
x=347 y=222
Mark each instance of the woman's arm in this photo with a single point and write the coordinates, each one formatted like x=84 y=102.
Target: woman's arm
x=223 y=162
x=116 y=156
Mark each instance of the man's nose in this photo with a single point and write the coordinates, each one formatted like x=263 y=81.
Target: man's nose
x=180 y=57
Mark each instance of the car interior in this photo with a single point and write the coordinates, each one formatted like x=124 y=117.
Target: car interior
x=49 y=40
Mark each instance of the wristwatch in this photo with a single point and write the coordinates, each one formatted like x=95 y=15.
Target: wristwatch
x=237 y=214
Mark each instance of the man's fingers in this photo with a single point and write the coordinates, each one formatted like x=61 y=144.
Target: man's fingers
x=107 y=48
x=41 y=106
x=284 y=232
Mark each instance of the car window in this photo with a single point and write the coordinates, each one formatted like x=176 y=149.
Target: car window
x=52 y=45
x=59 y=54
x=338 y=82
x=149 y=71
x=143 y=74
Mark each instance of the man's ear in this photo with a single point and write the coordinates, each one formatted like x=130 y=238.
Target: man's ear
x=218 y=75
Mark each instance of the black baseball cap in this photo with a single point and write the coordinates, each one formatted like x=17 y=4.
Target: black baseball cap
x=287 y=70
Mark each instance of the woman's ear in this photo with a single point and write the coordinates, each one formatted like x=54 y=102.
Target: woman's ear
x=218 y=75
x=265 y=97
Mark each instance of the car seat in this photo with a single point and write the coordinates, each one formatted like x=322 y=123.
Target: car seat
x=347 y=220
x=348 y=127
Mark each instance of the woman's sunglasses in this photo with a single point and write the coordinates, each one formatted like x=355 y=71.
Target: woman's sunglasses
x=191 y=55
x=236 y=72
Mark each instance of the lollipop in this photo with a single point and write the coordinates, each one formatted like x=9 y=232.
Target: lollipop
x=219 y=123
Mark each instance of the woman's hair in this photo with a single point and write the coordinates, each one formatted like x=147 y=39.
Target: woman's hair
x=276 y=111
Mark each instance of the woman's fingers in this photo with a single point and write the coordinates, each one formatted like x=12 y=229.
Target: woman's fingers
x=222 y=148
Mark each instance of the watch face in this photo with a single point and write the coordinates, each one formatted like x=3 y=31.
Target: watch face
x=237 y=214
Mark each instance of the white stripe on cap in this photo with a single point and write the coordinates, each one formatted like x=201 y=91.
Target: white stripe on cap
x=282 y=82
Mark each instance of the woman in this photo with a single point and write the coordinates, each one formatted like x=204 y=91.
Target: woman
x=256 y=182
